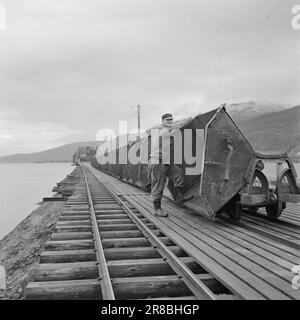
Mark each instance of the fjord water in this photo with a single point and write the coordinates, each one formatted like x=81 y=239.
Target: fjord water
x=23 y=186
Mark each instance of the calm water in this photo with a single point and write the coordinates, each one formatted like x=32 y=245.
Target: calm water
x=22 y=186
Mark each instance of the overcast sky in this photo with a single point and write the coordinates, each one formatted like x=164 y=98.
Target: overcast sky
x=71 y=67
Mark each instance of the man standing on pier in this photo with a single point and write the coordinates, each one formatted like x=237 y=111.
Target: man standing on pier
x=160 y=169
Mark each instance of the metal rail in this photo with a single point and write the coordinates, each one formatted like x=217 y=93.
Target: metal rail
x=105 y=282
x=200 y=291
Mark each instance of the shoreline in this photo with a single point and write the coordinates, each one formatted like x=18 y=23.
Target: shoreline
x=21 y=247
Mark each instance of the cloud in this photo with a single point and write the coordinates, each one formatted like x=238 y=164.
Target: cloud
x=19 y=136
x=84 y=64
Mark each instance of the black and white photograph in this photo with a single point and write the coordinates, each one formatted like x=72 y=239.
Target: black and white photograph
x=149 y=153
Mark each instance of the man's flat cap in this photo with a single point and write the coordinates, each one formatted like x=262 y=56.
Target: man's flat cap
x=166 y=115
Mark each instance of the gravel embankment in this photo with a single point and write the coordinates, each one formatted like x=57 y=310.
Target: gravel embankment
x=20 y=249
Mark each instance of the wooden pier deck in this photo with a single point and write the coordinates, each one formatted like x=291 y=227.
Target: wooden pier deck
x=253 y=258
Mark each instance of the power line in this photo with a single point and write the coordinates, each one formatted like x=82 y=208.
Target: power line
x=215 y=34
x=241 y=21
x=226 y=49
x=222 y=53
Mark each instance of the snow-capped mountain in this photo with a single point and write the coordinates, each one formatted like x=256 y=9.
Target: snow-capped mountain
x=252 y=109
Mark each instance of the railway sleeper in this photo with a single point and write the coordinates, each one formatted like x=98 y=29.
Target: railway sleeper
x=160 y=286
x=116 y=268
x=86 y=289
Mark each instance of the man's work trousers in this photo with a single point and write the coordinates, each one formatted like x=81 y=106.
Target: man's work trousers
x=158 y=175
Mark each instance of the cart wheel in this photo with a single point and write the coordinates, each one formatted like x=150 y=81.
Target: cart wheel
x=235 y=211
x=275 y=210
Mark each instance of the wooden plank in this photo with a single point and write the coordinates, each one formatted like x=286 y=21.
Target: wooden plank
x=277 y=275
x=283 y=223
x=49 y=199
x=292 y=212
x=117 y=268
x=116 y=227
x=74 y=218
x=270 y=251
x=76 y=202
x=262 y=254
x=72 y=228
x=173 y=298
x=278 y=248
x=131 y=242
x=56 y=236
x=219 y=297
x=125 y=234
x=107 y=206
x=67 y=256
x=147 y=267
x=103 y=212
x=291 y=218
x=101 y=201
x=74 y=223
x=66 y=271
x=235 y=237
x=139 y=253
x=72 y=212
x=69 y=245
x=76 y=208
x=257 y=240
x=271 y=234
x=113 y=221
x=158 y=286
x=112 y=216
x=292 y=233
x=64 y=290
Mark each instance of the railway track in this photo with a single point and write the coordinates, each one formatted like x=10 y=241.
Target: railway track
x=103 y=247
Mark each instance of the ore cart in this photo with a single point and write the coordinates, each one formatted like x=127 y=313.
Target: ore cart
x=231 y=177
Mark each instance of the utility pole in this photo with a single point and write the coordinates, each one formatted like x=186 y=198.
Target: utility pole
x=139 y=121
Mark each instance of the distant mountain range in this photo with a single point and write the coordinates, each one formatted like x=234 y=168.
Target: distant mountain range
x=60 y=154
x=252 y=109
x=270 y=128
x=274 y=132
